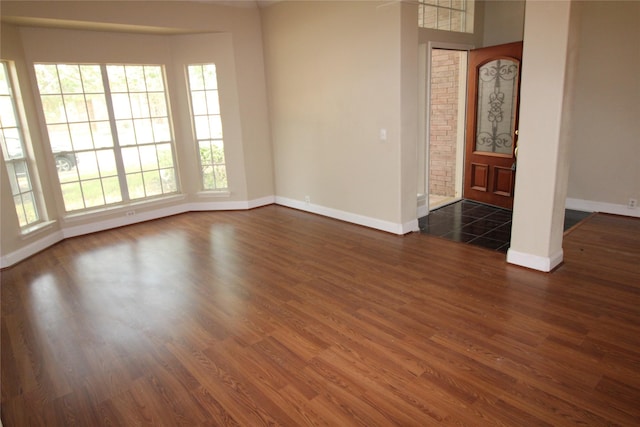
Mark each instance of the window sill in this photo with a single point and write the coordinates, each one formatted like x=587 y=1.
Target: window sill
x=36 y=228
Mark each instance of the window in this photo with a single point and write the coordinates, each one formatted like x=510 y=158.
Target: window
x=111 y=124
x=448 y=15
x=203 y=87
x=15 y=154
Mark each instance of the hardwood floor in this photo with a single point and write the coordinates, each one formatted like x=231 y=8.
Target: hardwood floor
x=275 y=316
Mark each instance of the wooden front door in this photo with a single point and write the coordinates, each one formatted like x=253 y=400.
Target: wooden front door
x=492 y=123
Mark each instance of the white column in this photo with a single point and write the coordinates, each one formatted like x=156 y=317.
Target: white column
x=542 y=173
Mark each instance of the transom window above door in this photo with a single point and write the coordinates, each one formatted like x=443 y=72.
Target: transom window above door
x=448 y=15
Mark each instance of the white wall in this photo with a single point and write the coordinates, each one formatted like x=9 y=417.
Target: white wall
x=503 y=22
x=605 y=148
x=336 y=77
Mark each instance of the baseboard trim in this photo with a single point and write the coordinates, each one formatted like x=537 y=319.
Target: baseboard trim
x=389 y=227
x=263 y=201
x=31 y=249
x=231 y=206
x=535 y=262
x=67 y=230
x=423 y=209
x=610 y=208
x=94 y=227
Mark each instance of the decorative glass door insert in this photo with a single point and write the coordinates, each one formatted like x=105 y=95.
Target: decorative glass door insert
x=497 y=106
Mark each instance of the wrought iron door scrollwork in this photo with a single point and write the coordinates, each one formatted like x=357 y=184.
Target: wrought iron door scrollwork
x=497 y=84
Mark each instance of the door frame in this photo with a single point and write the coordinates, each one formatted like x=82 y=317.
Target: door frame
x=424 y=109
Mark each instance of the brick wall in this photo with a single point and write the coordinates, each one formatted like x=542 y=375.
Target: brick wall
x=444 y=122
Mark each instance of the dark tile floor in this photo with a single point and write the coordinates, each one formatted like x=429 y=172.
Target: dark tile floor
x=478 y=224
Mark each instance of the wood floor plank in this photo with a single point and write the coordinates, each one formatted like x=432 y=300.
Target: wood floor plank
x=280 y=317
x=224 y=387
x=398 y=397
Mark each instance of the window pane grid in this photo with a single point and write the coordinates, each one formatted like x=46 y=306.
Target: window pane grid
x=205 y=104
x=15 y=155
x=76 y=113
x=140 y=104
x=448 y=15
x=212 y=164
x=144 y=123
x=82 y=116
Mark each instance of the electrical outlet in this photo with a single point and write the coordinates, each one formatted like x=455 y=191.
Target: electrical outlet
x=131 y=213
x=632 y=204
x=307 y=199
